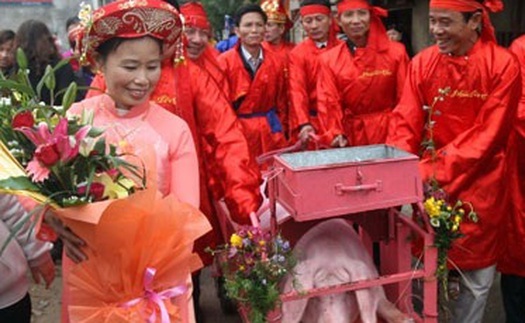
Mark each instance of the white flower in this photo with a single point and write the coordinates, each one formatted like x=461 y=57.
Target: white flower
x=5 y=101
x=434 y=222
x=86 y=146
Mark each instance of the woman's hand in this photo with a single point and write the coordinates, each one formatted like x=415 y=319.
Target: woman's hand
x=44 y=271
x=72 y=243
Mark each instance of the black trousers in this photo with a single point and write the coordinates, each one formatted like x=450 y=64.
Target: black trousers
x=513 y=292
x=19 y=312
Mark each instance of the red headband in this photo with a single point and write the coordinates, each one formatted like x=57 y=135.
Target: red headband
x=487 y=33
x=313 y=9
x=195 y=15
x=467 y=5
x=360 y=4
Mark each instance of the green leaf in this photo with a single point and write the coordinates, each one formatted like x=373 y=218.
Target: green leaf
x=49 y=78
x=20 y=183
x=13 y=85
x=70 y=95
x=21 y=59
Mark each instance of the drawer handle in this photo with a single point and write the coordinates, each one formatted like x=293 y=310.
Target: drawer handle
x=340 y=189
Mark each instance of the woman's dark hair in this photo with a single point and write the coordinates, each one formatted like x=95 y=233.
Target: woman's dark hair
x=111 y=45
x=72 y=21
x=6 y=35
x=174 y=3
x=249 y=8
x=37 y=42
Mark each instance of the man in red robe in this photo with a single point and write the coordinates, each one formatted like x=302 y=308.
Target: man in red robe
x=197 y=42
x=470 y=129
x=512 y=263
x=304 y=67
x=277 y=26
x=360 y=80
x=257 y=83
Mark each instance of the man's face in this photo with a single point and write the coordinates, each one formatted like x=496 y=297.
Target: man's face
x=251 y=29
x=452 y=34
x=274 y=32
x=316 y=26
x=198 y=39
x=355 y=23
x=6 y=56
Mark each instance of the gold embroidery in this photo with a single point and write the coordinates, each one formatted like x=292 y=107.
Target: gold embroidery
x=166 y=99
x=375 y=73
x=474 y=94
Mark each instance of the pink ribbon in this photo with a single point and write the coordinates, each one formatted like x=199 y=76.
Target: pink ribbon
x=150 y=296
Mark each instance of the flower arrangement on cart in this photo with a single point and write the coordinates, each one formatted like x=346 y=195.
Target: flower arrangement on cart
x=445 y=215
x=254 y=264
x=139 y=253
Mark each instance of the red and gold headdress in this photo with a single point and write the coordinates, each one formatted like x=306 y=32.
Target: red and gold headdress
x=487 y=33
x=276 y=12
x=195 y=15
x=129 y=19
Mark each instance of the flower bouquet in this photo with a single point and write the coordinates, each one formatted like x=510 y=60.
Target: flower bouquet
x=445 y=214
x=139 y=243
x=254 y=263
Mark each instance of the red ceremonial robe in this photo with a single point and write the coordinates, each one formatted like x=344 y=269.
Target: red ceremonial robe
x=512 y=261
x=357 y=92
x=470 y=134
x=304 y=72
x=208 y=61
x=260 y=101
x=189 y=92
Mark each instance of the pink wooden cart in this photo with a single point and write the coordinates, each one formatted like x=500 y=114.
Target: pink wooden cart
x=367 y=185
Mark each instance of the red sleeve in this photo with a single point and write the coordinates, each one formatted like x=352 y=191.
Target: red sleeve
x=330 y=112
x=299 y=99
x=402 y=70
x=518 y=48
x=282 y=98
x=218 y=125
x=408 y=119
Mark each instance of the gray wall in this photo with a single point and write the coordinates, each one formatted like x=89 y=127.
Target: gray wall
x=54 y=16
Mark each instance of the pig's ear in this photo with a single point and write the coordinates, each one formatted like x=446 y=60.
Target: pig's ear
x=368 y=298
x=303 y=280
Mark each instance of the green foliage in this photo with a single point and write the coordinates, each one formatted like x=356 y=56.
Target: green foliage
x=217 y=9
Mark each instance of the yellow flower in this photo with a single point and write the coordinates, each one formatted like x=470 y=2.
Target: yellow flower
x=455 y=227
x=114 y=190
x=432 y=207
x=262 y=243
x=236 y=241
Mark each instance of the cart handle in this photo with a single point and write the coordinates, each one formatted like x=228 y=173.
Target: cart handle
x=254 y=219
x=340 y=189
x=261 y=159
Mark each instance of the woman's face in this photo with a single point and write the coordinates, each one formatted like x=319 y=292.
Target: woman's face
x=132 y=71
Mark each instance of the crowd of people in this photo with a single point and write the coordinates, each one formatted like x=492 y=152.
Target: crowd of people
x=211 y=114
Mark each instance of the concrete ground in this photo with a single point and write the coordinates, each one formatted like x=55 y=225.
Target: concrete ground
x=46 y=303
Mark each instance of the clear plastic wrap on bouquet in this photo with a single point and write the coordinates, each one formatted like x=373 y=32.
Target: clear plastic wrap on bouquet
x=139 y=256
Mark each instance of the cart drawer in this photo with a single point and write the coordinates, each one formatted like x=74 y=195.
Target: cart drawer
x=327 y=183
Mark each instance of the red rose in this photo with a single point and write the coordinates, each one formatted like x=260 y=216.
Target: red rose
x=23 y=119
x=47 y=155
x=96 y=190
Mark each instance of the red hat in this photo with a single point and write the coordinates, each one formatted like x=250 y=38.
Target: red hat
x=487 y=33
x=276 y=12
x=129 y=19
x=195 y=15
x=377 y=37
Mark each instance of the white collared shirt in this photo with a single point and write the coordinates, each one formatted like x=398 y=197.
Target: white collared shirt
x=321 y=44
x=248 y=57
